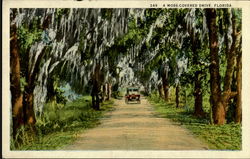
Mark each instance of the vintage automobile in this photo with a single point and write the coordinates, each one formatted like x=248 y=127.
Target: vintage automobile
x=132 y=94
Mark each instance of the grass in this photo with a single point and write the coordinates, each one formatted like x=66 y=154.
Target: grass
x=219 y=137
x=59 y=124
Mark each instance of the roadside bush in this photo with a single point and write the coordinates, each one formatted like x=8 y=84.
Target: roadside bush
x=59 y=123
x=222 y=137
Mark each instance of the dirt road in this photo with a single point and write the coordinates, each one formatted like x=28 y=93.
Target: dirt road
x=135 y=127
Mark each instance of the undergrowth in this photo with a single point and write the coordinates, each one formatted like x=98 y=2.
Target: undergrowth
x=219 y=137
x=59 y=124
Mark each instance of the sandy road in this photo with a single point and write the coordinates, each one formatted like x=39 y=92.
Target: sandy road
x=135 y=127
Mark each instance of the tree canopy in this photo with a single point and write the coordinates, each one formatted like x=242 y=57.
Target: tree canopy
x=94 y=49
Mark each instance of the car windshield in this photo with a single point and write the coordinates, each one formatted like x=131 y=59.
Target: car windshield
x=133 y=89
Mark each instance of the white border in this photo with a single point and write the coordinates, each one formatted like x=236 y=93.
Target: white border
x=244 y=153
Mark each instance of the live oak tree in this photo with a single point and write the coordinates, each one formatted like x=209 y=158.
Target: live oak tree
x=47 y=44
x=22 y=74
x=16 y=94
x=220 y=98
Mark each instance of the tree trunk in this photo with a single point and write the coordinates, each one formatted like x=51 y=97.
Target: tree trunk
x=104 y=94
x=238 y=114
x=211 y=120
x=28 y=105
x=96 y=88
x=93 y=100
x=95 y=96
x=198 y=111
x=160 y=90
x=28 y=98
x=16 y=94
x=177 y=90
x=108 y=91
x=230 y=57
x=97 y=106
x=165 y=86
x=217 y=106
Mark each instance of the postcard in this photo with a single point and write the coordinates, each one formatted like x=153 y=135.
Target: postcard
x=125 y=79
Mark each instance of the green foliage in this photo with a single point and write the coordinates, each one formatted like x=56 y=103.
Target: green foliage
x=23 y=137
x=238 y=14
x=27 y=36
x=118 y=94
x=220 y=137
x=61 y=118
x=133 y=37
x=60 y=123
x=60 y=12
x=55 y=93
x=23 y=83
x=107 y=13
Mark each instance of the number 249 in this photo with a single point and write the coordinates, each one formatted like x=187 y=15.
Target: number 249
x=153 y=5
